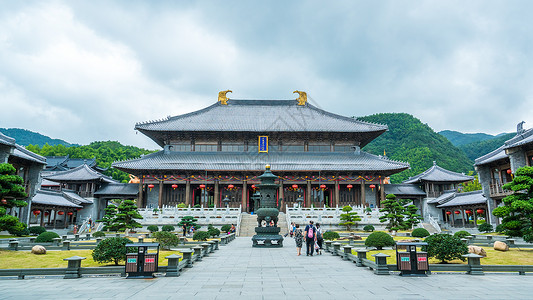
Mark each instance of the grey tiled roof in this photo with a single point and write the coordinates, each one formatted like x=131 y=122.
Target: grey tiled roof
x=491 y=156
x=52 y=198
x=462 y=199
x=262 y=116
x=76 y=162
x=438 y=174
x=46 y=182
x=81 y=173
x=124 y=189
x=404 y=190
x=22 y=153
x=52 y=161
x=247 y=161
x=5 y=140
x=520 y=139
x=75 y=198
x=447 y=195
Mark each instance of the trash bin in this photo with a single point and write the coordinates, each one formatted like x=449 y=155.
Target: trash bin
x=142 y=260
x=411 y=262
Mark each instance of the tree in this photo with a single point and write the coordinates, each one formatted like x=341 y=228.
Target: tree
x=126 y=215
x=11 y=195
x=349 y=218
x=111 y=250
x=109 y=218
x=166 y=239
x=188 y=221
x=471 y=186
x=517 y=213
x=411 y=217
x=397 y=214
x=445 y=247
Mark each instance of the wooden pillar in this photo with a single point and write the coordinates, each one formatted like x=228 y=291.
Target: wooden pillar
x=140 y=198
x=215 y=195
x=244 y=198
x=55 y=218
x=42 y=218
x=281 y=196
x=160 y=202
x=308 y=201
x=382 y=193
x=363 y=193
x=463 y=216
x=337 y=193
x=187 y=192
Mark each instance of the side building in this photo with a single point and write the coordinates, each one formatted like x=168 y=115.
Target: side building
x=497 y=167
x=220 y=151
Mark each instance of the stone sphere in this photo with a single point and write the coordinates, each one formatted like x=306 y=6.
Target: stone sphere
x=38 y=249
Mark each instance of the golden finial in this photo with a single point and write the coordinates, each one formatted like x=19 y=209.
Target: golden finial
x=302 y=100
x=267 y=167
x=222 y=97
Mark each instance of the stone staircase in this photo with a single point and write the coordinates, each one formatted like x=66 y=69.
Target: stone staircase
x=249 y=222
x=429 y=228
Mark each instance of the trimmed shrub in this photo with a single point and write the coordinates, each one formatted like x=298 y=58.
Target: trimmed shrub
x=369 y=228
x=36 y=230
x=46 y=237
x=99 y=234
x=445 y=247
x=182 y=205
x=197 y=206
x=19 y=230
x=166 y=239
x=225 y=228
x=379 y=239
x=420 y=232
x=500 y=228
x=485 y=227
x=462 y=234
x=153 y=228
x=168 y=228
x=330 y=235
x=200 y=236
x=111 y=250
x=213 y=231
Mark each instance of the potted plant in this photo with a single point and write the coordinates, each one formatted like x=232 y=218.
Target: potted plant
x=155 y=211
x=368 y=210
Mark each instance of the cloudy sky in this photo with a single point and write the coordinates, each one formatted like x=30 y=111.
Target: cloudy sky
x=89 y=70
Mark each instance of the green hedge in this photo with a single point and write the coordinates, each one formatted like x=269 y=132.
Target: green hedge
x=330 y=235
x=379 y=239
x=46 y=237
x=420 y=232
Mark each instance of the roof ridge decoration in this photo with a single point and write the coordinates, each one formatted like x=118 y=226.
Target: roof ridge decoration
x=302 y=98
x=222 y=98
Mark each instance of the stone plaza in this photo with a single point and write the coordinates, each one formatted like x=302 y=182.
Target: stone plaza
x=238 y=271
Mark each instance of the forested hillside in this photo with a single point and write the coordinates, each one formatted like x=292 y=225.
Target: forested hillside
x=25 y=137
x=410 y=140
x=478 y=149
x=105 y=153
x=459 y=138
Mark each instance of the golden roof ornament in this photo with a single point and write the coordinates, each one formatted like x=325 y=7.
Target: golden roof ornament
x=222 y=97
x=302 y=100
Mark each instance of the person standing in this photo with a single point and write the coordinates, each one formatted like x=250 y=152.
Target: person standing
x=310 y=235
x=319 y=238
x=299 y=239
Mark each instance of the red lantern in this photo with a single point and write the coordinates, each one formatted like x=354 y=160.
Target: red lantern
x=4 y=201
x=60 y=213
x=509 y=171
x=202 y=186
x=372 y=186
x=253 y=186
x=457 y=212
x=468 y=212
x=36 y=212
x=174 y=186
x=480 y=211
x=448 y=212
x=151 y=186
x=231 y=186
x=349 y=186
x=70 y=213
x=322 y=186
x=295 y=186
x=46 y=214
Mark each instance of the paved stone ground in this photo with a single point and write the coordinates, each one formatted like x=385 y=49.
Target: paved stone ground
x=238 y=271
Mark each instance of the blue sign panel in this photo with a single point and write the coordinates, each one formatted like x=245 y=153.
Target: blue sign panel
x=263 y=144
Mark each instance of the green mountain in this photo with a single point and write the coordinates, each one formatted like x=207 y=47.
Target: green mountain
x=459 y=138
x=480 y=148
x=105 y=153
x=25 y=137
x=409 y=140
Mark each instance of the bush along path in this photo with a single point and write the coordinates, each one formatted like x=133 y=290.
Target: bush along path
x=191 y=253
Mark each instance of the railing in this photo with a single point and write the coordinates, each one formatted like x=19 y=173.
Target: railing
x=433 y=222
x=239 y=218
x=86 y=194
x=433 y=194
x=496 y=189
x=172 y=214
x=331 y=216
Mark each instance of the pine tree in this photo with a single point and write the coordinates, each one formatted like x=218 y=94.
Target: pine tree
x=126 y=215
x=11 y=193
x=350 y=218
x=109 y=218
x=188 y=221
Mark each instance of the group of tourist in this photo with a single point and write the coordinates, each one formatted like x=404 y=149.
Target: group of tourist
x=312 y=235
